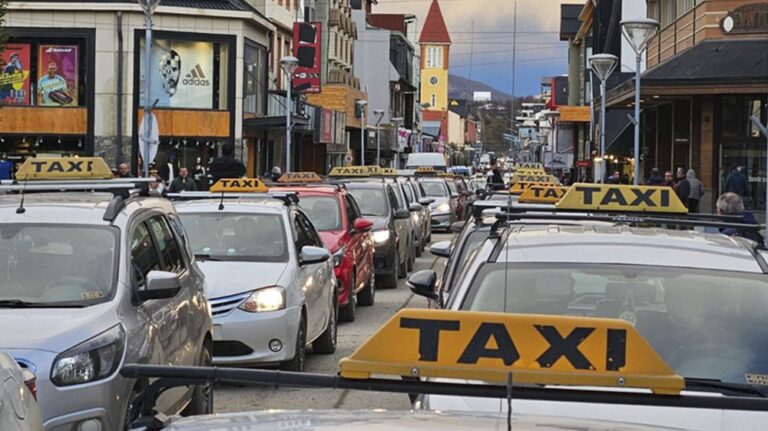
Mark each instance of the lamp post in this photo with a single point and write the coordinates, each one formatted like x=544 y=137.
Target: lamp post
x=396 y=122
x=603 y=65
x=149 y=7
x=638 y=32
x=380 y=114
x=289 y=65
x=362 y=104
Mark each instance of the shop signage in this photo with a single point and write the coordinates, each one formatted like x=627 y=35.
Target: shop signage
x=574 y=114
x=57 y=75
x=182 y=74
x=327 y=127
x=307 y=47
x=747 y=19
x=14 y=74
x=584 y=163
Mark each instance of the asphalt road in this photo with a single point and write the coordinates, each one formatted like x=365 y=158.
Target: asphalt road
x=233 y=398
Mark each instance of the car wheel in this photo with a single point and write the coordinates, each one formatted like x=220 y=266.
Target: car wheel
x=367 y=296
x=419 y=248
x=390 y=282
x=402 y=268
x=297 y=363
x=202 y=396
x=411 y=259
x=130 y=415
x=326 y=344
x=347 y=313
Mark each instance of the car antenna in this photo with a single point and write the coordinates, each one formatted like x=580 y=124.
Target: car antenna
x=221 y=203
x=21 y=209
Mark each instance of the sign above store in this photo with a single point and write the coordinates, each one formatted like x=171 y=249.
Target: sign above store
x=747 y=19
x=307 y=47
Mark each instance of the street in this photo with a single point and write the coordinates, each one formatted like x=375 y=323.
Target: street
x=233 y=398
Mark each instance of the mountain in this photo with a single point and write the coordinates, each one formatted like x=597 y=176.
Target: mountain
x=463 y=88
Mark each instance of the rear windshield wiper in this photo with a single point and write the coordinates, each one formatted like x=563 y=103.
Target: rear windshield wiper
x=725 y=387
x=208 y=257
x=18 y=303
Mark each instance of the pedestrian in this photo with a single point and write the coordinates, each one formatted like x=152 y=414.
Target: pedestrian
x=615 y=178
x=226 y=166
x=124 y=171
x=183 y=183
x=669 y=179
x=626 y=180
x=157 y=187
x=276 y=174
x=733 y=204
x=497 y=180
x=683 y=189
x=737 y=182
x=697 y=191
x=655 y=179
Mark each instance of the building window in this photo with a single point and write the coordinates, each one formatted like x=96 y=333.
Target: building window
x=254 y=79
x=434 y=100
x=434 y=56
x=332 y=44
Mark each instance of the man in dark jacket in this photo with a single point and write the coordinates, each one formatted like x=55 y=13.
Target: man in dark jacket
x=497 y=180
x=655 y=179
x=733 y=204
x=226 y=166
x=737 y=182
x=683 y=187
x=183 y=183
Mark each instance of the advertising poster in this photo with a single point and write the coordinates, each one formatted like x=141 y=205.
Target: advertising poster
x=14 y=74
x=57 y=75
x=307 y=44
x=182 y=74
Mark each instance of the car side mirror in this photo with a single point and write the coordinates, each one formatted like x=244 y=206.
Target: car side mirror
x=426 y=201
x=159 y=285
x=311 y=255
x=423 y=283
x=363 y=225
x=454 y=195
x=458 y=226
x=415 y=207
x=402 y=214
x=441 y=249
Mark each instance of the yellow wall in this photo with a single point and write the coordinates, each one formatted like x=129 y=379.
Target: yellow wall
x=440 y=90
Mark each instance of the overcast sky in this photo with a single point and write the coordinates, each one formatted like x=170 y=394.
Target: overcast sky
x=540 y=52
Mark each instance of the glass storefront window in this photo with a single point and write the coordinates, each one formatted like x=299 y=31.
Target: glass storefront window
x=254 y=80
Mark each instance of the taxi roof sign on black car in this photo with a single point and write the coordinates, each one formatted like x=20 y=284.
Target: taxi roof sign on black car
x=547 y=194
x=622 y=198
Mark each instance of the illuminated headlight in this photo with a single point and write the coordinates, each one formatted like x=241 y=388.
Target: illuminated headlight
x=266 y=299
x=444 y=207
x=338 y=257
x=381 y=236
x=92 y=360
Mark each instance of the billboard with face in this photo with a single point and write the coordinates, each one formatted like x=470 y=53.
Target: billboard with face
x=57 y=81
x=182 y=74
x=14 y=74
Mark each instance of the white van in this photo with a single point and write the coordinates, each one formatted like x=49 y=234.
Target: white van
x=434 y=160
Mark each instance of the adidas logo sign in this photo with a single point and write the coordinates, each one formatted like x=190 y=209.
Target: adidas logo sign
x=196 y=77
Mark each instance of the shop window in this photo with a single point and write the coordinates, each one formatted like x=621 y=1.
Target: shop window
x=186 y=74
x=254 y=81
x=48 y=72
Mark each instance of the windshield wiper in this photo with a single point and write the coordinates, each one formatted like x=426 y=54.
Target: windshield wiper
x=208 y=257
x=18 y=303
x=725 y=387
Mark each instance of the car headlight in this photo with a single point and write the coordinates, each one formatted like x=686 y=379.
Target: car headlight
x=91 y=360
x=338 y=257
x=444 y=207
x=266 y=299
x=381 y=236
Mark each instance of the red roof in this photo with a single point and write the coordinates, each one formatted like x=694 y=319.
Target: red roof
x=389 y=21
x=435 y=30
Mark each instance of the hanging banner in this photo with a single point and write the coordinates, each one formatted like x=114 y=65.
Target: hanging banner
x=307 y=47
x=57 y=81
x=14 y=74
x=182 y=74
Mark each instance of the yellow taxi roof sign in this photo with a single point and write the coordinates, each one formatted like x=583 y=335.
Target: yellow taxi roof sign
x=519 y=178
x=547 y=194
x=64 y=168
x=531 y=166
x=388 y=172
x=531 y=172
x=536 y=349
x=354 y=171
x=239 y=185
x=519 y=188
x=299 y=178
x=622 y=198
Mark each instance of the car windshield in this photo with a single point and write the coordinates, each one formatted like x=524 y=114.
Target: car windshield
x=452 y=187
x=703 y=323
x=56 y=265
x=372 y=202
x=434 y=189
x=323 y=211
x=237 y=237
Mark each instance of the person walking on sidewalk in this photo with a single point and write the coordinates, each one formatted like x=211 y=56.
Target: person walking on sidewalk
x=696 y=191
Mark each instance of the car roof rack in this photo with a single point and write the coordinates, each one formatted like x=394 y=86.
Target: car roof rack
x=288 y=198
x=337 y=186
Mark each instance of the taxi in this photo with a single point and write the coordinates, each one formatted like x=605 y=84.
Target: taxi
x=344 y=231
x=271 y=284
x=694 y=297
x=420 y=213
x=96 y=274
x=444 y=207
x=491 y=359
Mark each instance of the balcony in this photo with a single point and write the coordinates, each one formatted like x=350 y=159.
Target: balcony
x=697 y=25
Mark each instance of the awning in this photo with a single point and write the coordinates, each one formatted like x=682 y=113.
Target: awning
x=619 y=136
x=431 y=128
x=251 y=125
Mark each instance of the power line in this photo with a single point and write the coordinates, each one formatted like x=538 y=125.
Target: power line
x=533 y=60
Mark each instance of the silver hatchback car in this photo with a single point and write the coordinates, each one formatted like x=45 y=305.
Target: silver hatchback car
x=94 y=279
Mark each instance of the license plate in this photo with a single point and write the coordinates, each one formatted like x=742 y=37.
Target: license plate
x=218 y=333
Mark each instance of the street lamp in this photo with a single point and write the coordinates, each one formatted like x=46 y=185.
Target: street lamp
x=396 y=121
x=603 y=65
x=638 y=32
x=380 y=113
x=361 y=105
x=148 y=6
x=289 y=65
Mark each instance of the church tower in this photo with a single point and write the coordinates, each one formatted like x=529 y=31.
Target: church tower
x=435 y=43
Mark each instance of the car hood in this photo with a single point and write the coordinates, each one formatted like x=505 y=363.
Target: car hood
x=220 y=281
x=331 y=239
x=438 y=201
x=54 y=329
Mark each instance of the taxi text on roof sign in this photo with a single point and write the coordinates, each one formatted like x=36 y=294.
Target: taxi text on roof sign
x=531 y=172
x=354 y=171
x=530 y=166
x=64 y=168
x=519 y=188
x=536 y=349
x=518 y=178
x=239 y=185
x=388 y=172
x=548 y=194
x=300 y=177
x=622 y=198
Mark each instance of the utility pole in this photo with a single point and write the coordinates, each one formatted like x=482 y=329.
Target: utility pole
x=471 y=47
x=512 y=108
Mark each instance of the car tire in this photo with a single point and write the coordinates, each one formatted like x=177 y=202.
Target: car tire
x=411 y=260
x=402 y=268
x=347 y=312
x=367 y=296
x=326 y=344
x=390 y=282
x=419 y=249
x=202 y=395
x=300 y=357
